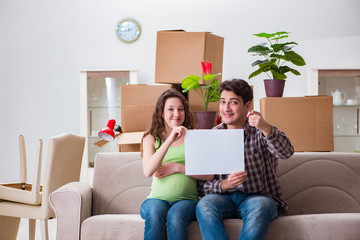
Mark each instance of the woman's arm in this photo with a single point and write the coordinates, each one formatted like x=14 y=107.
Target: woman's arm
x=152 y=160
x=172 y=167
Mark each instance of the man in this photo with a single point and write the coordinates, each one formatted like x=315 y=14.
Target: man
x=254 y=195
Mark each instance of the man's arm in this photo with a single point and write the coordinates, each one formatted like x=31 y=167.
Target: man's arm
x=233 y=181
x=210 y=187
x=221 y=183
x=279 y=144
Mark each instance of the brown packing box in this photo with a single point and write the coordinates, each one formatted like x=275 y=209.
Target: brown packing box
x=307 y=121
x=129 y=148
x=138 y=104
x=179 y=53
x=130 y=142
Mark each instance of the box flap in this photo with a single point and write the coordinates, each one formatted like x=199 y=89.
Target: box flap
x=130 y=138
x=175 y=30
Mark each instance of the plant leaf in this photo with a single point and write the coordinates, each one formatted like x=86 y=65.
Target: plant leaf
x=255 y=73
x=190 y=82
x=281 y=70
x=258 y=62
x=265 y=35
x=213 y=91
x=291 y=70
x=295 y=58
x=287 y=48
x=277 y=74
x=282 y=46
x=281 y=33
x=278 y=56
x=210 y=77
x=280 y=37
x=260 y=49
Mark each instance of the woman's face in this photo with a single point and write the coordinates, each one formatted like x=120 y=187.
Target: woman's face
x=174 y=113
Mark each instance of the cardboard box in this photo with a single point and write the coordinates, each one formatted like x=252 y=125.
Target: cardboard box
x=307 y=121
x=138 y=104
x=179 y=53
x=129 y=148
x=130 y=142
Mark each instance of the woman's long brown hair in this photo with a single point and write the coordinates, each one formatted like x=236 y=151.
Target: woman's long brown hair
x=158 y=123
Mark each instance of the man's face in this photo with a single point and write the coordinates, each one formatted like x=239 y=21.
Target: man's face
x=232 y=109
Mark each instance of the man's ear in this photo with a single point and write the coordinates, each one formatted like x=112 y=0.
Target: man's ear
x=248 y=106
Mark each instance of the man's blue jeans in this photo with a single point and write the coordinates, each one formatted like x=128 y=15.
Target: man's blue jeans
x=256 y=211
x=173 y=216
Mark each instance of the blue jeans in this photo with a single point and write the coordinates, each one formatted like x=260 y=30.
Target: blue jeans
x=161 y=215
x=256 y=211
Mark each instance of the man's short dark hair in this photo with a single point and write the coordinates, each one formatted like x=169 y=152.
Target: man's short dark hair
x=239 y=87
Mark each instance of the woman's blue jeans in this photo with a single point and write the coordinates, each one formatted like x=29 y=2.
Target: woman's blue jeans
x=256 y=211
x=161 y=215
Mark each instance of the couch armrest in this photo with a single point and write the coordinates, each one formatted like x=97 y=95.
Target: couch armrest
x=72 y=205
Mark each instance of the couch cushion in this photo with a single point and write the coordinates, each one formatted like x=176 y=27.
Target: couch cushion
x=298 y=227
x=119 y=183
x=321 y=182
x=316 y=226
x=113 y=226
x=295 y=227
x=122 y=226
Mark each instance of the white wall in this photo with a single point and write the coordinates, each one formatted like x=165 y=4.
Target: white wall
x=44 y=44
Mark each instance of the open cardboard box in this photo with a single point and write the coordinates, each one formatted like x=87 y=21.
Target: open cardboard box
x=130 y=142
x=307 y=121
x=179 y=53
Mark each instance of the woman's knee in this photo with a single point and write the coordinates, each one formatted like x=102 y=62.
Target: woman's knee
x=154 y=209
x=183 y=211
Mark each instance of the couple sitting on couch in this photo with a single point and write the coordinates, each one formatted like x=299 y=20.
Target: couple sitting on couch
x=253 y=196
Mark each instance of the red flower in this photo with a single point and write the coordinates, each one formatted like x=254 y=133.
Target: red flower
x=206 y=67
x=218 y=119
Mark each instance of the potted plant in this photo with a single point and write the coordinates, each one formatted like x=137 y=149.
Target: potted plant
x=209 y=92
x=274 y=56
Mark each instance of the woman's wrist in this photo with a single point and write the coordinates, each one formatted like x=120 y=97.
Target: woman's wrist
x=181 y=168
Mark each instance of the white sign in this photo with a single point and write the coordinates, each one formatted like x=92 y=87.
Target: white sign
x=218 y=151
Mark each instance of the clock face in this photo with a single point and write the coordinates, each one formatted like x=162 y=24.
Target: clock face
x=128 y=30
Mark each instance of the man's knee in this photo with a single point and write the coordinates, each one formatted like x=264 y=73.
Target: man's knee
x=209 y=205
x=261 y=205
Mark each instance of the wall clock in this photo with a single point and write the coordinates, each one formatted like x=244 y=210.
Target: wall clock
x=128 y=30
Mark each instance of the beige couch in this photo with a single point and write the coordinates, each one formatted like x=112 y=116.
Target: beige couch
x=322 y=190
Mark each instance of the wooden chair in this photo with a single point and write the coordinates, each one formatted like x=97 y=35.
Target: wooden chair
x=24 y=200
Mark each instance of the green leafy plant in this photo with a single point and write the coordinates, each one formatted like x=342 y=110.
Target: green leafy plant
x=208 y=92
x=275 y=55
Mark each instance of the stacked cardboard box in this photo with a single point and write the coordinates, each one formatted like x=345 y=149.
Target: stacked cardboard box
x=178 y=54
x=137 y=106
x=307 y=121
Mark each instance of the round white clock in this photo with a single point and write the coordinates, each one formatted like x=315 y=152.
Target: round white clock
x=128 y=30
